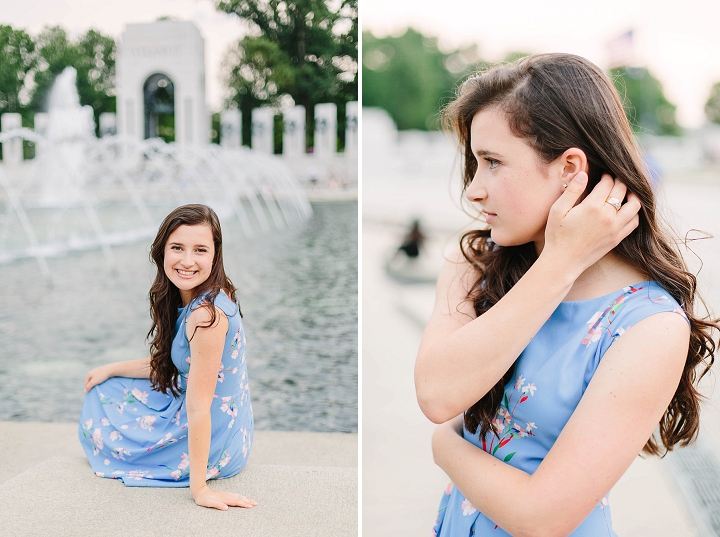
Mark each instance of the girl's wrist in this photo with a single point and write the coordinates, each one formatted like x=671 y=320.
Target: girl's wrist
x=561 y=272
x=442 y=438
x=111 y=369
x=196 y=489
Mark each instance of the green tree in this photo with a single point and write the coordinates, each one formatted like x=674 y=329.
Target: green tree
x=410 y=77
x=17 y=58
x=256 y=69
x=93 y=55
x=302 y=48
x=712 y=106
x=646 y=106
x=96 y=71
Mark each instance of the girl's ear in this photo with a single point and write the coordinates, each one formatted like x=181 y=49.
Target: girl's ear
x=570 y=163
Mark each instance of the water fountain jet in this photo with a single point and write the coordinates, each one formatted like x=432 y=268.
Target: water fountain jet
x=81 y=192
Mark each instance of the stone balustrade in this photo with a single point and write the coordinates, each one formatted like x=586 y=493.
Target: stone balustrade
x=262 y=133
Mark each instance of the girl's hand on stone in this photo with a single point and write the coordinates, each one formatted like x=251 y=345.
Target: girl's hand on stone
x=218 y=499
x=580 y=234
x=97 y=376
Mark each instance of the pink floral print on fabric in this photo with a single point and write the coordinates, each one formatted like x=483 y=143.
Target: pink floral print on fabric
x=504 y=426
x=603 y=319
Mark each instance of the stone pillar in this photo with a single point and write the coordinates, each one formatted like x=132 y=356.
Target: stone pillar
x=108 y=124
x=187 y=120
x=12 y=149
x=262 y=130
x=294 y=131
x=351 y=128
x=40 y=122
x=325 y=129
x=231 y=129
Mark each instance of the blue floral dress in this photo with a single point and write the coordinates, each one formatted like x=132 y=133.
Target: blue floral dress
x=138 y=435
x=550 y=378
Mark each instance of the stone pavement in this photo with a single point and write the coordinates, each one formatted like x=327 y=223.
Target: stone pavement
x=305 y=484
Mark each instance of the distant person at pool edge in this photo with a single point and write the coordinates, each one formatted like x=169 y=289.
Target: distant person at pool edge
x=564 y=331
x=183 y=415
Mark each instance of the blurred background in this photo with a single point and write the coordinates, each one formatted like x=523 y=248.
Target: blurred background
x=665 y=64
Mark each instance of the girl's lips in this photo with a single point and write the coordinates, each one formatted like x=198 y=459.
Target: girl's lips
x=489 y=216
x=192 y=273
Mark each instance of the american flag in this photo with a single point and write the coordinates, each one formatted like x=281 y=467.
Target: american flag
x=620 y=50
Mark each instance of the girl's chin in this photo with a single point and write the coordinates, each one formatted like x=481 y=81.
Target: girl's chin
x=504 y=240
x=501 y=239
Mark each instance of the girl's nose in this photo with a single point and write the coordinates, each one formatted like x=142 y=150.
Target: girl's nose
x=476 y=192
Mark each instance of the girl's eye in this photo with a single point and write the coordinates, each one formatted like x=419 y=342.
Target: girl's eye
x=202 y=250
x=493 y=163
x=175 y=247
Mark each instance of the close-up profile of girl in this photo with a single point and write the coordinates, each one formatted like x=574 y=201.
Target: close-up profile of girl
x=565 y=338
x=181 y=416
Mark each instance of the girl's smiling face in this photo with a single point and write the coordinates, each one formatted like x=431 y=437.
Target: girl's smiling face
x=189 y=253
x=515 y=190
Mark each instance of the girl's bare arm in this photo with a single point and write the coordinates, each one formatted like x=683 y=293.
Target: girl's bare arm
x=621 y=407
x=206 y=347
x=139 y=369
x=461 y=357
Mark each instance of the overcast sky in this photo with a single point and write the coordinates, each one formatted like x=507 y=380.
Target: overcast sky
x=110 y=17
x=678 y=41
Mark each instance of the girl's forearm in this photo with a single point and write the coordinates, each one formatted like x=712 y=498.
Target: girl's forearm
x=461 y=367
x=199 y=431
x=139 y=369
x=503 y=493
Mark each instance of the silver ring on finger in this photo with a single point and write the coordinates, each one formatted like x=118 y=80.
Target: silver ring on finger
x=614 y=202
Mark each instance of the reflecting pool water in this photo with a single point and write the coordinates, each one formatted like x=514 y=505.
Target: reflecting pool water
x=297 y=289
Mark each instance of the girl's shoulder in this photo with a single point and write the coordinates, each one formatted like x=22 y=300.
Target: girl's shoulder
x=647 y=298
x=228 y=306
x=616 y=313
x=221 y=302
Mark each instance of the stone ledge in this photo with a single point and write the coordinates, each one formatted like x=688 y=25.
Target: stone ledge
x=61 y=496
x=25 y=444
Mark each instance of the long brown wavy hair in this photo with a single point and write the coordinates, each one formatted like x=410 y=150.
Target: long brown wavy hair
x=554 y=102
x=165 y=296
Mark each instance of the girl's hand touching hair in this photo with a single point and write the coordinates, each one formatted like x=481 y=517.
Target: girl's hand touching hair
x=219 y=499
x=577 y=236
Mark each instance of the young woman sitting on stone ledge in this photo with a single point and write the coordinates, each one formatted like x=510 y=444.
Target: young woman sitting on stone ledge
x=183 y=415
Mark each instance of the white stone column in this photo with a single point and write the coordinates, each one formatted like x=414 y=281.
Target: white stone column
x=262 y=130
x=231 y=129
x=108 y=124
x=187 y=120
x=325 y=129
x=40 y=122
x=294 y=131
x=89 y=119
x=12 y=149
x=351 y=128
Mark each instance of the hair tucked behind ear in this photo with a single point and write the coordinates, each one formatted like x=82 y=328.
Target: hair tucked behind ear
x=165 y=297
x=554 y=102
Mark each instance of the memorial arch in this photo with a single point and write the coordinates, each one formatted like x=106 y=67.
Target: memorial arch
x=161 y=83
x=159 y=107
